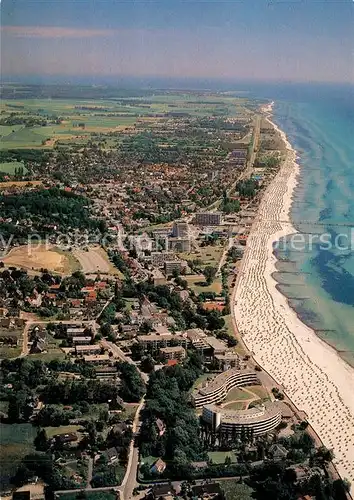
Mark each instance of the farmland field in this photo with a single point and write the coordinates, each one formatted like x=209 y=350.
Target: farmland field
x=16 y=442
x=10 y=167
x=36 y=258
x=76 y=121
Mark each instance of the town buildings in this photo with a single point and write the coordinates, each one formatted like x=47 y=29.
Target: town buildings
x=208 y=218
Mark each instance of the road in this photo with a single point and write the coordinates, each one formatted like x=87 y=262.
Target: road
x=129 y=482
x=249 y=167
x=89 y=473
x=118 y=353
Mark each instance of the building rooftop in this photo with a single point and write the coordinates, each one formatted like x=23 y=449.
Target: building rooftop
x=155 y=337
x=90 y=347
x=177 y=348
x=96 y=357
x=255 y=414
x=220 y=380
x=215 y=344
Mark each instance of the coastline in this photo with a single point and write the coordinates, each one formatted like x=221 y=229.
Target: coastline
x=311 y=372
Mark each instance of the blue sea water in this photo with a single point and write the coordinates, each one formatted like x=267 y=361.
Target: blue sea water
x=318 y=276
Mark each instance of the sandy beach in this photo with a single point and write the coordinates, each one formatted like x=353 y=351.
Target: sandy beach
x=312 y=374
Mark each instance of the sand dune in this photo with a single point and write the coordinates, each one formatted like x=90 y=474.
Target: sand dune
x=314 y=377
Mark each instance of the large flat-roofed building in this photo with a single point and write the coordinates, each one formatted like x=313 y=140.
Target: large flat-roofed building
x=208 y=218
x=76 y=332
x=177 y=352
x=153 y=341
x=216 y=345
x=180 y=245
x=172 y=265
x=260 y=419
x=98 y=359
x=81 y=340
x=88 y=349
x=227 y=360
x=180 y=230
x=158 y=259
x=197 y=337
x=217 y=389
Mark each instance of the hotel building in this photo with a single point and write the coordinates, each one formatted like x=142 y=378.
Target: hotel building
x=261 y=419
x=208 y=218
x=216 y=390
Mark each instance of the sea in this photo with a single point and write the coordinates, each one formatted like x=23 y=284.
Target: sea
x=315 y=269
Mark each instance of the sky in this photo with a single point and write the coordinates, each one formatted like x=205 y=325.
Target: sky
x=265 y=40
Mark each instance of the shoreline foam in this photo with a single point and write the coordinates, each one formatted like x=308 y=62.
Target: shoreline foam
x=311 y=372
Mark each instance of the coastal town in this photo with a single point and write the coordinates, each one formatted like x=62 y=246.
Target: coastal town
x=144 y=351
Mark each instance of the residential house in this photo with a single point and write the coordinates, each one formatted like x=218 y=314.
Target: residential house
x=158 y=467
x=111 y=455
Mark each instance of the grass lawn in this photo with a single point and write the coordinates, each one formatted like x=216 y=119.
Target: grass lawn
x=258 y=390
x=49 y=356
x=234 y=490
x=62 y=429
x=196 y=282
x=202 y=378
x=4 y=406
x=209 y=255
x=150 y=460
x=218 y=457
x=237 y=394
x=7 y=352
x=238 y=405
x=90 y=495
x=130 y=410
x=53 y=350
x=230 y=328
x=10 y=166
x=16 y=442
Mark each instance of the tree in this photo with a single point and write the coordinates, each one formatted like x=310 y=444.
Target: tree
x=132 y=387
x=323 y=456
x=41 y=440
x=147 y=364
x=209 y=273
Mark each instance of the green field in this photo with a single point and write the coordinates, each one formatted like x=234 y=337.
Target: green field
x=62 y=429
x=218 y=457
x=209 y=255
x=236 y=491
x=7 y=352
x=237 y=394
x=90 y=495
x=203 y=378
x=236 y=405
x=52 y=348
x=21 y=138
x=100 y=116
x=10 y=167
x=196 y=282
x=16 y=442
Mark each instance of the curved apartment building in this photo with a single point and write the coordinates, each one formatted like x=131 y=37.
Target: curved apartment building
x=261 y=419
x=216 y=390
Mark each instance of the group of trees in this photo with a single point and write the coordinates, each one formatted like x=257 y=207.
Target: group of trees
x=168 y=399
x=48 y=209
x=229 y=205
x=247 y=188
x=132 y=387
x=277 y=481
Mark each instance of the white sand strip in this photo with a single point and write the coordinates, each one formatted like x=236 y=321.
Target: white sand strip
x=313 y=375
